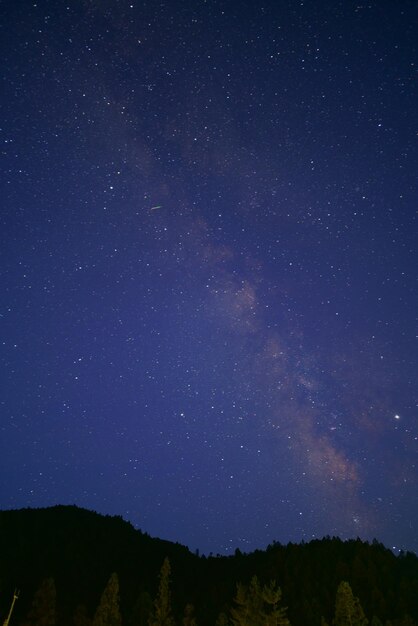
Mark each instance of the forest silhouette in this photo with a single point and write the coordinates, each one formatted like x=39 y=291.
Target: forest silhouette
x=75 y=567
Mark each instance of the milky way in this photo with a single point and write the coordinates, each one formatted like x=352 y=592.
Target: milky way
x=209 y=267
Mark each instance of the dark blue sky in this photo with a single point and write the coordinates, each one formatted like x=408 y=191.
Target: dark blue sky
x=209 y=266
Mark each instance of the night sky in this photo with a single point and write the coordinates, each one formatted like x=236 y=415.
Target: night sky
x=209 y=266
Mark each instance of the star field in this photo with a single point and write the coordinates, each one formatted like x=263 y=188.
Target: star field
x=209 y=267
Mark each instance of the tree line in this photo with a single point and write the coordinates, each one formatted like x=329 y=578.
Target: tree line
x=79 y=549
x=254 y=605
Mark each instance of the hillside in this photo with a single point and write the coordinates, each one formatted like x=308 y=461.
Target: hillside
x=80 y=549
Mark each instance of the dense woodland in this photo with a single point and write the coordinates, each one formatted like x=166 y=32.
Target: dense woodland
x=74 y=567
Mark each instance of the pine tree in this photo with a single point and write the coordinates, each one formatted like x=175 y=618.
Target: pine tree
x=141 y=610
x=43 y=609
x=108 y=613
x=162 y=605
x=248 y=605
x=276 y=615
x=348 y=610
x=256 y=606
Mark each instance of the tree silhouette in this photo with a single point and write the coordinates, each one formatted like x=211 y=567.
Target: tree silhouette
x=141 y=610
x=348 y=610
x=256 y=606
x=161 y=615
x=43 y=609
x=108 y=613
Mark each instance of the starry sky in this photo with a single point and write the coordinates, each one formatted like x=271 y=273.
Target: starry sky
x=208 y=241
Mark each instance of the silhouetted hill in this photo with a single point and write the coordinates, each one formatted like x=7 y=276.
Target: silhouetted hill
x=80 y=549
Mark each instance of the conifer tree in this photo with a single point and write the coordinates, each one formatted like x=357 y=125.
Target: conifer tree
x=162 y=615
x=248 y=604
x=256 y=606
x=108 y=612
x=348 y=610
x=276 y=615
x=43 y=609
x=141 y=610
